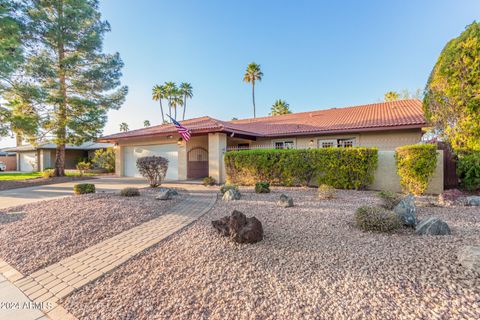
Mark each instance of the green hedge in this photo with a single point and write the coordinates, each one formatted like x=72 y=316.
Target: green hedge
x=468 y=169
x=415 y=166
x=343 y=168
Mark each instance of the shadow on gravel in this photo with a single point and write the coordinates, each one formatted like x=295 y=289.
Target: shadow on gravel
x=6 y=218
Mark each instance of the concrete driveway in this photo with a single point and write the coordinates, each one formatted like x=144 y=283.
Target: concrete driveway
x=15 y=197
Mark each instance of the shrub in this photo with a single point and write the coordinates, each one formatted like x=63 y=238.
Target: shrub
x=415 y=166
x=154 y=168
x=348 y=168
x=262 y=187
x=82 y=167
x=390 y=199
x=468 y=170
x=105 y=158
x=376 y=219
x=83 y=188
x=48 y=173
x=209 y=181
x=227 y=187
x=129 y=192
x=326 y=192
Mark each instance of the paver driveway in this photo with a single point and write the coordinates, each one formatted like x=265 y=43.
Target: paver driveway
x=15 y=197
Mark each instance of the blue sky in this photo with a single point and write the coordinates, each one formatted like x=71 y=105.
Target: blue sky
x=314 y=54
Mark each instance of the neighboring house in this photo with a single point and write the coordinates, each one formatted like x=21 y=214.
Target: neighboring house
x=42 y=156
x=9 y=158
x=385 y=125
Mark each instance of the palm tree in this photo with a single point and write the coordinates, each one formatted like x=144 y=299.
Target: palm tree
x=280 y=107
x=158 y=93
x=146 y=123
x=123 y=127
x=176 y=101
x=170 y=91
x=186 y=91
x=391 y=96
x=252 y=74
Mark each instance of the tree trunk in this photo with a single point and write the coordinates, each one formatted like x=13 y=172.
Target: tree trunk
x=253 y=98
x=18 y=139
x=184 y=107
x=60 y=160
x=161 y=109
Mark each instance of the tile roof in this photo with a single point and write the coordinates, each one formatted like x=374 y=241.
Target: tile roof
x=370 y=117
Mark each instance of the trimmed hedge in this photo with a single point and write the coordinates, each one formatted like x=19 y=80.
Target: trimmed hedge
x=84 y=188
x=468 y=170
x=415 y=166
x=342 y=168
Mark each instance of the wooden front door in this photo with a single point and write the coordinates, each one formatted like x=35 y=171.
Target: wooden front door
x=197 y=163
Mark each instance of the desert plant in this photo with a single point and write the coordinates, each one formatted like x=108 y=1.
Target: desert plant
x=376 y=219
x=468 y=169
x=154 y=168
x=415 y=166
x=83 y=188
x=82 y=167
x=326 y=192
x=227 y=187
x=129 y=192
x=105 y=158
x=262 y=187
x=209 y=181
x=390 y=199
x=48 y=173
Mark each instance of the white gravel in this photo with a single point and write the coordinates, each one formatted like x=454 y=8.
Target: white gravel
x=312 y=264
x=49 y=231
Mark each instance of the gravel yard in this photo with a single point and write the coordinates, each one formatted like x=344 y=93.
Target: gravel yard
x=15 y=184
x=48 y=231
x=312 y=264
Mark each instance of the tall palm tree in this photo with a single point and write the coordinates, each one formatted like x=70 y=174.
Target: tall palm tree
x=158 y=93
x=176 y=101
x=170 y=91
x=280 y=107
x=186 y=91
x=252 y=74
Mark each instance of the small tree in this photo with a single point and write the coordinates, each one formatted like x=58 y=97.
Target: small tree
x=154 y=168
x=105 y=158
x=124 y=127
x=146 y=123
x=82 y=167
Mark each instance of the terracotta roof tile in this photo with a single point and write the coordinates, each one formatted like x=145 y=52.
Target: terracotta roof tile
x=384 y=115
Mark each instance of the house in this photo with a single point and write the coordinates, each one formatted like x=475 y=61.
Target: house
x=385 y=125
x=9 y=158
x=42 y=156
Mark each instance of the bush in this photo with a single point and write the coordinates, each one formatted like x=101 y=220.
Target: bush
x=468 y=170
x=376 y=219
x=415 y=166
x=348 y=168
x=209 y=181
x=227 y=187
x=82 y=167
x=105 y=158
x=390 y=199
x=154 y=168
x=48 y=173
x=262 y=187
x=326 y=192
x=83 y=188
x=129 y=192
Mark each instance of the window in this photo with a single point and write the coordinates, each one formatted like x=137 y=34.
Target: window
x=346 y=143
x=327 y=143
x=333 y=143
x=243 y=146
x=284 y=144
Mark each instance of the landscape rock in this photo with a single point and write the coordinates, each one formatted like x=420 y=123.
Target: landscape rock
x=163 y=195
x=173 y=192
x=432 y=226
x=469 y=258
x=231 y=194
x=240 y=228
x=451 y=197
x=473 y=201
x=407 y=211
x=285 y=201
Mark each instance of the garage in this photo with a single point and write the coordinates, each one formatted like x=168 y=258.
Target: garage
x=168 y=151
x=28 y=161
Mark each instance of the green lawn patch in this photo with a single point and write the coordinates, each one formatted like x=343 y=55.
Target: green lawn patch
x=19 y=176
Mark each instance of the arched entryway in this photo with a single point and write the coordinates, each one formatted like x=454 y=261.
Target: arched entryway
x=197 y=163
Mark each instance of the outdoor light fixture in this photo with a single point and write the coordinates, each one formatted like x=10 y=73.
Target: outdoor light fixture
x=169 y=137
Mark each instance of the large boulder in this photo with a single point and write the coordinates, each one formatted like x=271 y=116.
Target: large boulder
x=473 y=201
x=285 y=201
x=239 y=228
x=469 y=257
x=231 y=194
x=432 y=226
x=407 y=211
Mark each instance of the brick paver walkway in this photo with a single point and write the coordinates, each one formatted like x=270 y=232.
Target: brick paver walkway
x=64 y=277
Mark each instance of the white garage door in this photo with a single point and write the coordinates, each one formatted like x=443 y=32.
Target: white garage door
x=28 y=161
x=169 y=151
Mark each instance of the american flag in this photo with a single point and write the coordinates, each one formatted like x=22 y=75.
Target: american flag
x=184 y=132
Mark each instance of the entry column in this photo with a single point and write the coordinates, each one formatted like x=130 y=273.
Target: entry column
x=217 y=145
